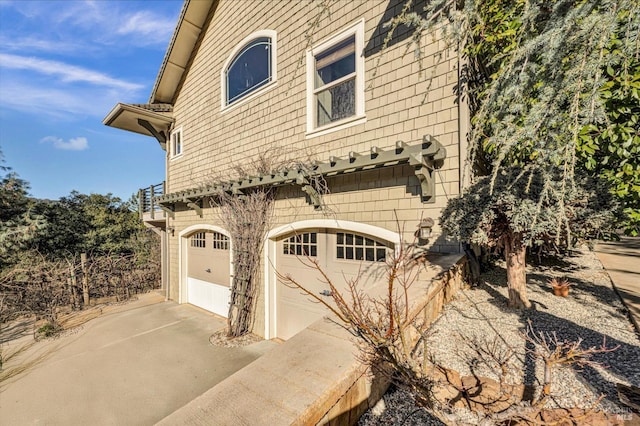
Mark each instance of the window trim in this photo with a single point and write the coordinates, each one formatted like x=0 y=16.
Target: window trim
x=259 y=91
x=356 y=29
x=172 y=143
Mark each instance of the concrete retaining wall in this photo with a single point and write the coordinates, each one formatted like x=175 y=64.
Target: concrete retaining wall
x=361 y=390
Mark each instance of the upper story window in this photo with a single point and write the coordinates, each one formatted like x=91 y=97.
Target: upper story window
x=176 y=142
x=250 y=67
x=335 y=81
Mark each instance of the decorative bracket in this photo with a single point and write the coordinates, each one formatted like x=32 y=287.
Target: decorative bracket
x=307 y=188
x=169 y=210
x=425 y=163
x=196 y=205
x=159 y=135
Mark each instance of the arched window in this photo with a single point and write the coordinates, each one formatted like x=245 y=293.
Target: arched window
x=251 y=67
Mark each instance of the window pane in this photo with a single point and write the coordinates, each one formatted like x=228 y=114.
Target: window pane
x=314 y=251
x=340 y=252
x=359 y=253
x=335 y=63
x=336 y=103
x=359 y=239
x=381 y=254
x=349 y=252
x=250 y=70
x=340 y=238
x=349 y=238
x=314 y=237
x=370 y=256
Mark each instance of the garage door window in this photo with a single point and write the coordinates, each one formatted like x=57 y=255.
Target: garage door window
x=198 y=240
x=220 y=241
x=359 y=247
x=301 y=244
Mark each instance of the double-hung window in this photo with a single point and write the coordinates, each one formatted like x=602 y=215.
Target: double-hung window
x=335 y=81
x=176 y=143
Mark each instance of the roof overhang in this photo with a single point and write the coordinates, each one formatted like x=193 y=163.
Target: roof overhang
x=134 y=118
x=191 y=22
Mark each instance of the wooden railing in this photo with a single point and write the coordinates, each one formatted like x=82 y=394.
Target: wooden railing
x=147 y=205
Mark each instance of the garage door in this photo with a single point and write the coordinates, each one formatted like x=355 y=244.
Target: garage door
x=208 y=271
x=342 y=255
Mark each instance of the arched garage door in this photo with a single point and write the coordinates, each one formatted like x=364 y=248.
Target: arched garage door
x=208 y=271
x=342 y=255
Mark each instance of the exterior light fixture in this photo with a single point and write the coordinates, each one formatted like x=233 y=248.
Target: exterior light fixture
x=425 y=227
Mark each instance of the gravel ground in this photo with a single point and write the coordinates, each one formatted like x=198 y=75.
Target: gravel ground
x=593 y=312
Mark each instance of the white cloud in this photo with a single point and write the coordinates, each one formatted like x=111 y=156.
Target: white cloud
x=66 y=72
x=147 y=24
x=31 y=43
x=73 y=144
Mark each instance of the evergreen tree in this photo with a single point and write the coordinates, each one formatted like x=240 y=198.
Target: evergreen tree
x=18 y=224
x=553 y=89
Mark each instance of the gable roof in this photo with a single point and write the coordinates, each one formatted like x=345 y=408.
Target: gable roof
x=156 y=117
x=191 y=22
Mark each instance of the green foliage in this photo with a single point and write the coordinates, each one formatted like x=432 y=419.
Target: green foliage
x=553 y=90
x=526 y=204
x=47 y=330
x=98 y=224
x=88 y=223
x=610 y=148
x=18 y=223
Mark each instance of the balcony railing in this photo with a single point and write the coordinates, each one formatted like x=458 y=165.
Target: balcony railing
x=147 y=206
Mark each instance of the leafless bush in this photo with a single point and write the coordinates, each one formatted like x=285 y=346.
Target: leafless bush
x=391 y=336
x=40 y=287
x=247 y=217
x=556 y=352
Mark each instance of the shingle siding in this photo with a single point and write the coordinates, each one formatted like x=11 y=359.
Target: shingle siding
x=400 y=104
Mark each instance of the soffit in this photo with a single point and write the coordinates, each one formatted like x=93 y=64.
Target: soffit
x=127 y=116
x=192 y=20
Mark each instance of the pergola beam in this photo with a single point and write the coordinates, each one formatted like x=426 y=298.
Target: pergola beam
x=424 y=158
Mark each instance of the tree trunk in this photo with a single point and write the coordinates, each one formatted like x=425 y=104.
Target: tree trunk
x=85 y=279
x=514 y=253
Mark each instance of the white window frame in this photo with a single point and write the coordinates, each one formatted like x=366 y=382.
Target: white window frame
x=356 y=29
x=173 y=136
x=255 y=93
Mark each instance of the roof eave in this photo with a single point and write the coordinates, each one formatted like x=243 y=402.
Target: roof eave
x=191 y=22
x=127 y=117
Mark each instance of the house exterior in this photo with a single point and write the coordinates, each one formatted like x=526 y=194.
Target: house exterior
x=382 y=129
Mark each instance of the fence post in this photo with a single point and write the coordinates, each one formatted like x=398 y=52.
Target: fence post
x=85 y=279
x=141 y=203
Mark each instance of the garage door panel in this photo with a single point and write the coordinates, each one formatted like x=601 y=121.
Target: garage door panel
x=343 y=258
x=212 y=297
x=208 y=271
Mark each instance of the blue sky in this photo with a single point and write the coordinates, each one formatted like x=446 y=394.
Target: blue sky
x=63 y=66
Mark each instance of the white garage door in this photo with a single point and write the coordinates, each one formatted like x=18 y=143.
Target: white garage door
x=208 y=271
x=342 y=255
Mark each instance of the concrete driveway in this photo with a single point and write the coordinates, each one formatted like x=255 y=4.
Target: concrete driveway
x=128 y=368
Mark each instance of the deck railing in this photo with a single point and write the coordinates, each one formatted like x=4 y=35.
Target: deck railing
x=146 y=202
